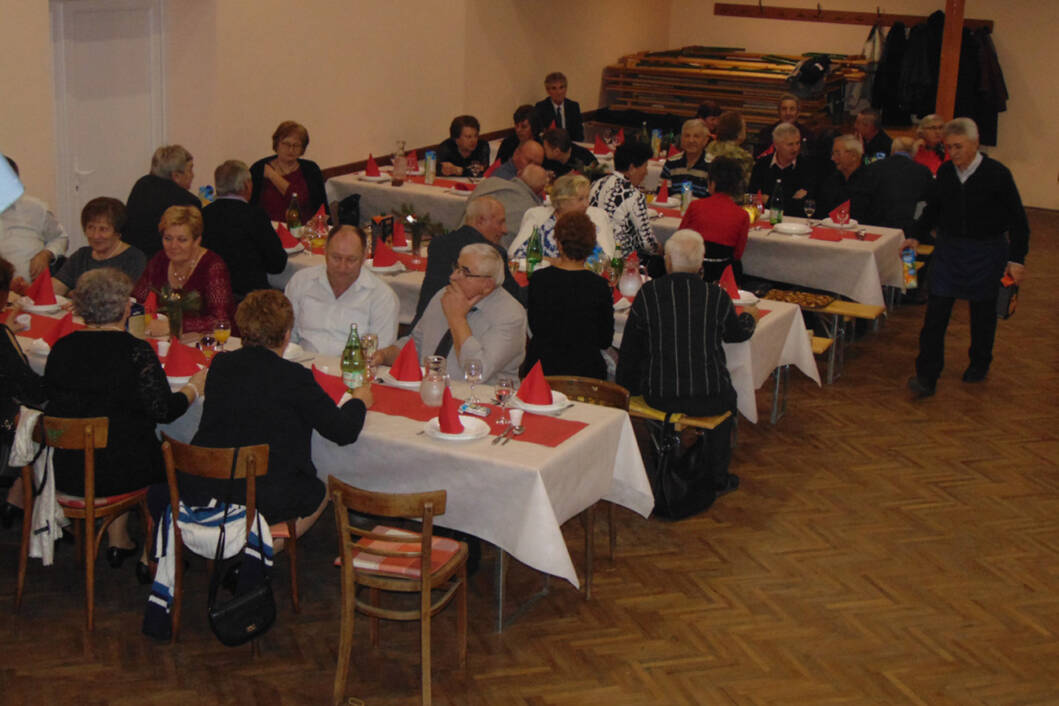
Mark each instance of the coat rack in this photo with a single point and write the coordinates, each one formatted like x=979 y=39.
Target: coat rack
x=818 y=14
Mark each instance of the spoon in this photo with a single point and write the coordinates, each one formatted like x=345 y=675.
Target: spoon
x=514 y=432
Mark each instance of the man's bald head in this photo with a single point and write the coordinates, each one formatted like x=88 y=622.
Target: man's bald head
x=535 y=176
x=529 y=152
x=486 y=215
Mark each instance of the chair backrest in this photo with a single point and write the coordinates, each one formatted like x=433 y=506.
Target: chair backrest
x=346 y=497
x=78 y=434
x=590 y=390
x=251 y=462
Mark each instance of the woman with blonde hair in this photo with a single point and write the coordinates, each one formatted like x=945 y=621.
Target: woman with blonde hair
x=569 y=194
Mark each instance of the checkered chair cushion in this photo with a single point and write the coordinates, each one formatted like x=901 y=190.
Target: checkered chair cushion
x=442 y=550
x=78 y=503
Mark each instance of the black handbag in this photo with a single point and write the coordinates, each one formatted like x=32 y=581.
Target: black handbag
x=249 y=613
x=680 y=477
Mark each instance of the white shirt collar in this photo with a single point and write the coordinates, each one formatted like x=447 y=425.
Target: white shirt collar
x=794 y=162
x=965 y=174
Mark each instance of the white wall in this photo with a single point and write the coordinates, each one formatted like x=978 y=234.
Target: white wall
x=1023 y=32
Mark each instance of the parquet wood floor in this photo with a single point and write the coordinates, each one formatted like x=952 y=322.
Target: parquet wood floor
x=879 y=551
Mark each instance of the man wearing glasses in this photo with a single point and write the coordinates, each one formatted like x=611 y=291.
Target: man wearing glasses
x=473 y=317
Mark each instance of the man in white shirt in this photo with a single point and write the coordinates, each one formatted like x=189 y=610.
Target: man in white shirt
x=30 y=235
x=329 y=297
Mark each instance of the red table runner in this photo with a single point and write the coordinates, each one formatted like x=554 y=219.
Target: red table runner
x=443 y=183
x=540 y=429
x=40 y=326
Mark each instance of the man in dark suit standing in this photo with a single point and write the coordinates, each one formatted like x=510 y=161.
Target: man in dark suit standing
x=484 y=222
x=172 y=171
x=566 y=114
x=240 y=232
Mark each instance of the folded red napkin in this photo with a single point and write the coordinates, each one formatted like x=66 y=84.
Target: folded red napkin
x=618 y=296
x=840 y=214
x=411 y=261
x=331 y=384
x=552 y=126
x=633 y=257
x=492 y=168
x=534 y=389
x=829 y=234
x=285 y=237
x=406 y=366
x=383 y=255
x=150 y=304
x=398 y=233
x=41 y=291
x=620 y=139
x=600 y=147
x=321 y=212
x=51 y=330
x=413 y=161
x=449 y=416
x=673 y=151
x=728 y=283
x=371 y=168
x=182 y=360
x=663 y=192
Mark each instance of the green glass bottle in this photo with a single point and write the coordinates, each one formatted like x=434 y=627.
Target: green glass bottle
x=354 y=367
x=776 y=204
x=534 y=251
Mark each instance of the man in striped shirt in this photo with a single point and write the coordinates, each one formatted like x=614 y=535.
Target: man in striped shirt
x=671 y=348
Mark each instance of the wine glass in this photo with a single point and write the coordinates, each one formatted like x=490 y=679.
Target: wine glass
x=505 y=387
x=476 y=169
x=472 y=373
x=809 y=205
x=369 y=343
x=221 y=331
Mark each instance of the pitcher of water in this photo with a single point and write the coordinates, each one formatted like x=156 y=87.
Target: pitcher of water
x=432 y=389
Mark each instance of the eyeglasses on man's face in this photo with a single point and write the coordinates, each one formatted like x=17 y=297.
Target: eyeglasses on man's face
x=462 y=271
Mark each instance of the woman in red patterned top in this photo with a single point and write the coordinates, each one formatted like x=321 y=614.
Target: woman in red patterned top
x=722 y=223
x=276 y=179
x=185 y=266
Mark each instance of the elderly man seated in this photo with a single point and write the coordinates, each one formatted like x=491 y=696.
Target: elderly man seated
x=619 y=196
x=868 y=126
x=692 y=165
x=657 y=362
x=561 y=155
x=896 y=188
x=240 y=232
x=796 y=174
x=472 y=318
x=516 y=195
x=788 y=110
x=329 y=297
x=172 y=171
x=30 y=236
x=463 y=149
x=484 y=222
x=529 y=152
x=559 y=110
x=846 y=183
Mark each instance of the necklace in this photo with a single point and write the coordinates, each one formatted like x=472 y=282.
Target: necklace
x=180 y=277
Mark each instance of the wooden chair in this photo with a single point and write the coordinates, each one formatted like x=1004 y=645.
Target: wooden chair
x=390 y=559
x=252 y=463
x=87 y=435
x=606 y=394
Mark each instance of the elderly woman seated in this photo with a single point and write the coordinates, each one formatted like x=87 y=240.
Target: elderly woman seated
x=183 y=266
x=571 y=312
x=103 y=371
x=254 y=396
x=103 y=220
x=569 y=194
x=279 y=177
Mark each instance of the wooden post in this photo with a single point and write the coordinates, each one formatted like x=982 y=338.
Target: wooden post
x=949 y=68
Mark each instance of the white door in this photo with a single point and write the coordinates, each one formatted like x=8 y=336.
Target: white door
x=109 y=98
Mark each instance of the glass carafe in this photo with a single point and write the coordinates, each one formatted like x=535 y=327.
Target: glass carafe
x=432 y=388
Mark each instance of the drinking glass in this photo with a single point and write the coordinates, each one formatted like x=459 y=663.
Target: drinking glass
x=472 y=373
x=369 y=343
x=810 y=208
x=476 y=169
x=221 y=331
x=505 y=387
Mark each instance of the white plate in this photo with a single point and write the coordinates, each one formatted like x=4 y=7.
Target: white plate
x=389 y=269
x=378 y=179
x=296 y=353
x=401 y=248
x=558 y=402
x=294 y=250
x=671 y=202
x=652 y=213
x=792 y=228
x=28 y=305
x=457 y=192
x=620 y=305
x=831 y=224
x=473 y=428
x=389 y=379
x=746 y=298
x=181 y=380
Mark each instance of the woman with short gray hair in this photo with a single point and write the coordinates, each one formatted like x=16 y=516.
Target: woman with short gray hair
x=103 y=371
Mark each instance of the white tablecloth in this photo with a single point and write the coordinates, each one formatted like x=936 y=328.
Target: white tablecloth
x=440 y=203
x=857 y=269
x=515 y=496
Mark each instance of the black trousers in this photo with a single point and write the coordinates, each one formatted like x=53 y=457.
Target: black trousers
x=931 y=358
